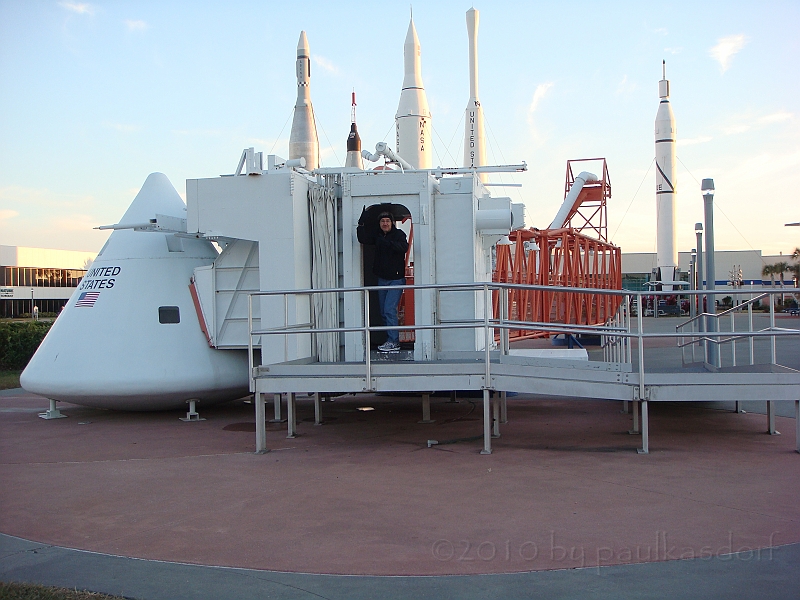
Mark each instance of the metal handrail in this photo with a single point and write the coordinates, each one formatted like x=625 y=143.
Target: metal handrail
x=717 y=337
x=502 y=323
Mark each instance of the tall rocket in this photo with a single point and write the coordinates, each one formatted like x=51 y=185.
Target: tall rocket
x=413 y=118
x=303 y=141
x=666 y=185
x=353 y=158
x=474 y=142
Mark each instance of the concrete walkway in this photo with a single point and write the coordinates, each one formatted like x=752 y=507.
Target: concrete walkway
x=770 y=574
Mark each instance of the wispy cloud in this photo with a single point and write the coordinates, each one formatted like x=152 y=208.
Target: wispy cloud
x=661 y=31
x=625 y=87
x=325 y=64
x=7 y=213
x=777 y=117
x=746 y=122
x=726 y=49
x=135 y=25
x=541 y=91
x=676 y=50
x=693 y=141
x=121 y=127
x=78 y=7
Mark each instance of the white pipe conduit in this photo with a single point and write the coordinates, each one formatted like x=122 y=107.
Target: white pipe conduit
x=572 y=196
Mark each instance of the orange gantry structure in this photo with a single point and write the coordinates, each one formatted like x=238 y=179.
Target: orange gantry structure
x=576 y=255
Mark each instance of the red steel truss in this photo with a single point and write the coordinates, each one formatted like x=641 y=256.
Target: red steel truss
x=566 y=257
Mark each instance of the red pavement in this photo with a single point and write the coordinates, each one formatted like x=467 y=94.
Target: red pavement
x=363 y=494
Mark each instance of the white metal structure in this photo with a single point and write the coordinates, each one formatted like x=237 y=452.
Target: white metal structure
x=162 y=319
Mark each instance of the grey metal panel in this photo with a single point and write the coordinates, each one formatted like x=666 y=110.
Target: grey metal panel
x=723 y=392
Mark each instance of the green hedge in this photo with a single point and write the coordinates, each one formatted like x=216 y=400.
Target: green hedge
x=19 y=340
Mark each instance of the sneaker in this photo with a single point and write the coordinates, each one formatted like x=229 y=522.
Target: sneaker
x=389 y=347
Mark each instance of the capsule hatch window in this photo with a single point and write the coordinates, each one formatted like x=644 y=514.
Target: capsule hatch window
x=169 y=314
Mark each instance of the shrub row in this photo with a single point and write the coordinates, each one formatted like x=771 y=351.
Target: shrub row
x=19 y=340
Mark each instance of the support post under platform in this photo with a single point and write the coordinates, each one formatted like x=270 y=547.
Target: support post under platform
x=504 y=407
x=487 y=424
x=635 y=411
x=317 y=410
x=276 y=402
x=192 y=415
x=426 y=409
x=495 y=415
x=771 y=418
x=797 y=425
x=645 y=449
x=261 y=424
x=52 y=412
x=291 y=416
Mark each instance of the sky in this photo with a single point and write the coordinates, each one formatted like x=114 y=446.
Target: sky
x=96 y=95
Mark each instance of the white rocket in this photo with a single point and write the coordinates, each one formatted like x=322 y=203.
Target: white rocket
x=666 y=186
x=303 y=141
x=353 y=158
x=474 y=142
x=413 y=119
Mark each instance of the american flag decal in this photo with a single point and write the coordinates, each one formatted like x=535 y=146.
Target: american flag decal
x=87 y=299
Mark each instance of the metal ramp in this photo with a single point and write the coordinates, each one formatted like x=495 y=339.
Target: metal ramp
x=542 y=377
x=496 y=372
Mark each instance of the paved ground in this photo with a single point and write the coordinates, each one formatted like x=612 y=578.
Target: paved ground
x=769 y=574
x=563 y=508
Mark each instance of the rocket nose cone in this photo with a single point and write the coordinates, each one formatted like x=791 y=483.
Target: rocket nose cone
x=302 y=45
x=411 y=36
x=157 y=196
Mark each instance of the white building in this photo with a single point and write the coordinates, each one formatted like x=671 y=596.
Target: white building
x=638 y=266
x=40 y=277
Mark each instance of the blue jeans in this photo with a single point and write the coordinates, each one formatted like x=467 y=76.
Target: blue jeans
x=388 y=300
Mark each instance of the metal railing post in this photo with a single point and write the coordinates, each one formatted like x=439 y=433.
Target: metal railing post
x=504 y=342
x=750 y=328
x=367 y=342
x=250 y=378
x=774 y=359
x=487 y=304
x=640 y=326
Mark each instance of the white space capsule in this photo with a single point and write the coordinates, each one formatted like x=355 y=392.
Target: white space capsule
x=474 y=142
x=303 y=141
x=666 y=185
x=129 y=338
x=413 y=119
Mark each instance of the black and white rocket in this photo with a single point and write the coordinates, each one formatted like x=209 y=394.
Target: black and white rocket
x=413 y=118
x=474 y=142
x=303 y=141
x=666 y=186
x=353 y=158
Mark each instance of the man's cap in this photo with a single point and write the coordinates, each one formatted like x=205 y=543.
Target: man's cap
x=386 y=215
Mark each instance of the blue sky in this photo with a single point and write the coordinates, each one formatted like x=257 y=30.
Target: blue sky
x=97 y=95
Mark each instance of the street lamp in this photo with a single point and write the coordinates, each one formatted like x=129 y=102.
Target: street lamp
x=711 y=322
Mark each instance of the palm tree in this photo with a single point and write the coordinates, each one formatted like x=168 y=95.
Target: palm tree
x=780 y=269
x=769 y=271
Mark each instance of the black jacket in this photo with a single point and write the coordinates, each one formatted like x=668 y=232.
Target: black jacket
x=390 y=251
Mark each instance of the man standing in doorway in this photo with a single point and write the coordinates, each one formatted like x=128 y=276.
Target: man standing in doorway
x=389 y=266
